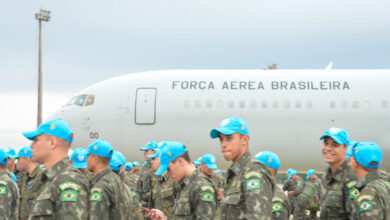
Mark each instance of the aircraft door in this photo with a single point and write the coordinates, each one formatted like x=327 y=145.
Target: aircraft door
x=145 y=106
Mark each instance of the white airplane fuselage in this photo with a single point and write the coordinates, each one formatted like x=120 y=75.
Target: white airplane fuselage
x=286 y=110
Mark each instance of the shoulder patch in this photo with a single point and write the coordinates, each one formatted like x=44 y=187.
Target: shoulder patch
x=277 y=199
x=365 y=206
x=96 y=189
x=3 y=183
x=69 y=196
x=2 y=190
x=96 y=196
x=351 y=184
x=253 y=184
x=353 y=193
x=365 y=197
x=69 y=185
x=206 y=187
x=277 y=207
x=255 y=174
x=208 y=197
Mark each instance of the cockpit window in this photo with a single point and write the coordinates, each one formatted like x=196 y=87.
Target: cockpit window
x=82 y=100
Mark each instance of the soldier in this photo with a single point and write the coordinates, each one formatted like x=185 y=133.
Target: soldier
x=196 y=196
x=65 y=192
x=79 y=160
x=280 y=203
x=374 y=199
x=130 y=179
x=163 y=193
x=339 y=180
x=9 y=192
x=31 y=182
x=12 y=168
x=147 y=173
x=312 y=177
x=305 y=202
x=128 y=167
x=136 y=169
x=197 y=162
x=249 y=184
x=208 y=166
x=107 y=200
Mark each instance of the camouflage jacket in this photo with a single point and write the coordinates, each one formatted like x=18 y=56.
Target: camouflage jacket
x=9 y=197
x=196 y=198
x=280 y=205
x=339 y=193
x=145 y=182
x=249 y=190
x=130 y=181
x=374 y=200
x=31 y=185
x=109 y=198
x=163 y=195
x=88 y=174
x=64 y=194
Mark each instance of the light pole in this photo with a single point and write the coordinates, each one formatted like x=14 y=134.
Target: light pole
x=43 y=15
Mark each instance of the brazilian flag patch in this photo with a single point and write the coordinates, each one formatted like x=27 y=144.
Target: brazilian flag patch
x=277 y=207
x=2 y=190
x=253 y=184
x=208 y=197
x=365 y=206
x=353 y=193
x=69 y=196
x=96 y=196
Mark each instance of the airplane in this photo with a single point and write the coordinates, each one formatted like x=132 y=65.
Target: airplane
x=287 y=111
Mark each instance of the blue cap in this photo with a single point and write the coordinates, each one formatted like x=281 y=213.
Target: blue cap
x=136 y=164
x=349 y=149
x=160 y=146
x=115 y=162
x=289 y=170
x=230 y=126
x=128 y=166
x=217 y=171
x=269 y=159
x=101 y=148
x=210 y=161
x=121 y=157
x=309 y=173
x=170 y=152
x=198 y=161
x=292 y=173
x=79 y=157
x=337 y=134
x=146 y=162
x=56 y=127
x=25 y=152
x=3 y=157
x=152 y=145
x=367 y=154
x=11 y=153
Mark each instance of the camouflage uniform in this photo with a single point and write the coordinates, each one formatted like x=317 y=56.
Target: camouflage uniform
x=249 y=190
x=219 y=183
x=9 y=197
x=145 y=183
x=64 y=195
x=374 y=199
x=130 y=180
x=31 y=184
x=163 y=195
x=109 y=197
x=280 y=205
x=289 y=185
x=196 y=198
x=339 y=193
x=88 y=174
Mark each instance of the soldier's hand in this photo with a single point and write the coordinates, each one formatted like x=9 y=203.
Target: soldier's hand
x=220 y=194
x=157 y=215
x=290 y=193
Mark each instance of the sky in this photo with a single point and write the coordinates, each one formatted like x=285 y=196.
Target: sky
x=92 y=40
